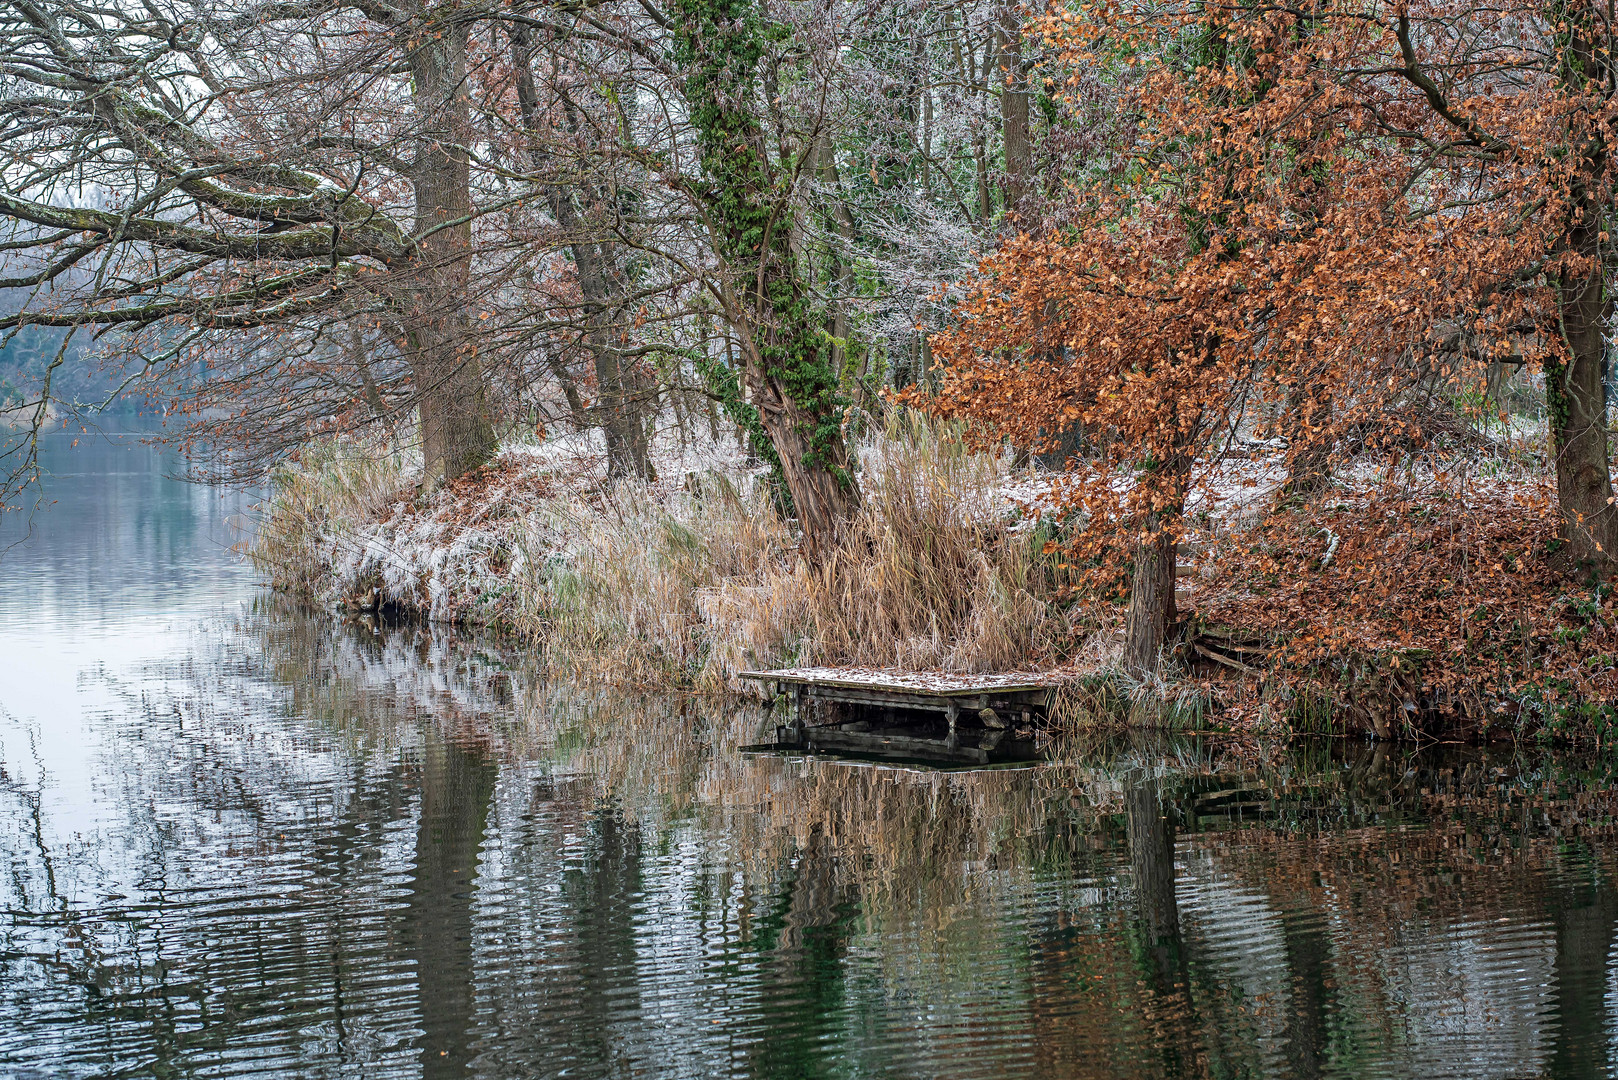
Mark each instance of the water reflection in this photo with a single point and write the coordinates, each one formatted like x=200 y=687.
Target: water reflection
x=1149 y=821
x=326 y=849
x=457 y=785
x=108 y=535
x=258 y=842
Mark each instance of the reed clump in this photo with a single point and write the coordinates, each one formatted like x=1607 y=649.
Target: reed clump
x=939 y=570
x=334 y=493
x=688 y=588
x=935 y=572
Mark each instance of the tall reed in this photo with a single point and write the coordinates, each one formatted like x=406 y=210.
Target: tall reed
x=937 y=571
x=336 y=490
x=689 y=588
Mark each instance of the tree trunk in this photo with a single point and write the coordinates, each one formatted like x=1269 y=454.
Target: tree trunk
x=1578 y=420
x=456 y=435
x=753 y=218
x=619 y=407
x=1013 y=109
x=980 y=145
x=824 y=501
x=840 y=270
x=1574 y=391
x=570 y=390
x=1152 y=612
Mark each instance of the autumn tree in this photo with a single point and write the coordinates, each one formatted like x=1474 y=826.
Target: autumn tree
x=1306 y=214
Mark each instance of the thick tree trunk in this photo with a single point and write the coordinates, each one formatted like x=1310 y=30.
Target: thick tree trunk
x=794 y=388
x=1152 y=614
x=823 y=501
x=620 y=406
x=456 y=434
x=1577 y=405
x=620 y=409
x=1574 y=391
x=766 y=290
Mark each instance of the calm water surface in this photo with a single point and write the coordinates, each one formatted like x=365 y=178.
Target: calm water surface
x=237 y=840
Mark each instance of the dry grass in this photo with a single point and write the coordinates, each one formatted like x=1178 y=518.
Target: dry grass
x=690 y=588
x=702 y=585
x=935 y=572
x=335 y=490
x=688 y=585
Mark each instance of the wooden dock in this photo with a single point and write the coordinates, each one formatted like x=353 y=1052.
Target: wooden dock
x=889 y=713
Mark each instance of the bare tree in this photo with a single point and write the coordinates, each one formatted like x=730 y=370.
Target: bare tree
x=261 y=165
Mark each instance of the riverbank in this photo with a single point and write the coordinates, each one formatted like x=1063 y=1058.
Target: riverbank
x=692 y=578
x=1417 y=598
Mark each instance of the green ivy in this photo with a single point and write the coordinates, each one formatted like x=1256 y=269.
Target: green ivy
x=720 y=44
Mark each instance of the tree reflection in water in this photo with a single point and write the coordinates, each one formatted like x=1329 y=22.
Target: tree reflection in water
x=1170 y=1010
x=457 y=780
x=332 y=851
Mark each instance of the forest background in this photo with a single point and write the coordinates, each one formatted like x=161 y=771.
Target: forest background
x=1246 y=362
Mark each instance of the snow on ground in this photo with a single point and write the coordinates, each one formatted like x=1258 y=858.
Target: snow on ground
x=456 y=552
x=582 y=457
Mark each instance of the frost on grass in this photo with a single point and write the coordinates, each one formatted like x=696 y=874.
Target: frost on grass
x=454 y=554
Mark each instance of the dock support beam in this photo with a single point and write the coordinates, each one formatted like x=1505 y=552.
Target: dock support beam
x=800 y=697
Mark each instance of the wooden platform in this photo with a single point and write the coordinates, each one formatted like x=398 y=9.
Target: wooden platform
x=1011 y=695
x=895 y=715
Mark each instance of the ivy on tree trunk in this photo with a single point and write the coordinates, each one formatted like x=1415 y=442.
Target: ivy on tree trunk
x=787 y=356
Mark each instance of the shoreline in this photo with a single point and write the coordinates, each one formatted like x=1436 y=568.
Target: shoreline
x=685 y=583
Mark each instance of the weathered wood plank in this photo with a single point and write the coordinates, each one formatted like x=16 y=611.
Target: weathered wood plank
x=927 y=684
x=943 y=704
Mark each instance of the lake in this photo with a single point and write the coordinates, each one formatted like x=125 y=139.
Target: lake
x=240 y=839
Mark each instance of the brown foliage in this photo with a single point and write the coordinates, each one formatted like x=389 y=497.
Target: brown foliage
x=1304 y=228
x=1446 y=606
